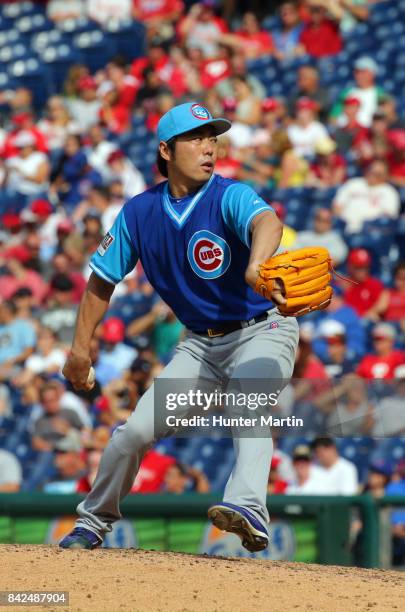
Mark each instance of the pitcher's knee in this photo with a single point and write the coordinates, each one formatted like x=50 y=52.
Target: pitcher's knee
x=129 y=439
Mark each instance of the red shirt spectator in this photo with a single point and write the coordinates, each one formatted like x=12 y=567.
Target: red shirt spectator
x=320 y=36
x=23 y=122
x=396 y=157
x=152 y=472
x=364 y=294
x=144 y=10
x=382 y=364
x=391 y=304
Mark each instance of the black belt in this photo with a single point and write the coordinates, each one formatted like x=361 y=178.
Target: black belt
x=228 y=328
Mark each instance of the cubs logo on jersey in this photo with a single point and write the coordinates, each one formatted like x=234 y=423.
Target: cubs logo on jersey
x=199 y=112
x=209 y=255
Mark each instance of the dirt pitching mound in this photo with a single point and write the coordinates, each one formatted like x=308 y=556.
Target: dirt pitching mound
x=149 y=581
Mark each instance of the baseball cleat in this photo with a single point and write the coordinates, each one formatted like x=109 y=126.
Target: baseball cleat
x=81 y=538
x=241 y=521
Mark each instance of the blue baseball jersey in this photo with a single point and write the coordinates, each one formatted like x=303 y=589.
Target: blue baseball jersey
x=194 y=250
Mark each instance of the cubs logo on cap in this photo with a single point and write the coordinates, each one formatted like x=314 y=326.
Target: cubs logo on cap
x=187 y=117
x=209 y=255
x=200 y=112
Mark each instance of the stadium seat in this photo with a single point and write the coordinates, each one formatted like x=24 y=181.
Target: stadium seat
x=96 y=48
x=128 y=37
x=15 y=52
x=20 y=9
x=58 y=60
x=358 y=451
x=30 y=25
x=42 y=40
x=32 y=74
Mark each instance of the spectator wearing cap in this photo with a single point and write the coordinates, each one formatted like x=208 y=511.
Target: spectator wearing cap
x=366 y=91
x=113 y=350
x=382 y=363
x=202 y=29
x=320 y=36
x=62 y=264
x=287 y=38
x=379 y=476
x=367 y=198
x=23 y=121
x=85 y=108
x=389 y=414
x=61 y=311
x=17 y=340
x=390 y=305
x=374 y=144
x=328 y=168
x=349 y=131
x=323 y=234
x=340 y=473
x=346 y=315
x=99 y=204
x=252 y=41
x=123 y=169
x=364 y=291
x=28 y=171
x=24 y=302
x=10 y=472
x=309 y=479
x=305 y=130
x=349 y=409
x=397 y=487
x=269 y=121
x=18 y=274
x=339 y=359
x=308 y=87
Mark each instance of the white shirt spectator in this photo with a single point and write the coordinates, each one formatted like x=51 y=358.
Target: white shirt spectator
x=98 y=156
x=368 y=99
x=85 y=114
x=330 y=240
x=357 y=201
x=304 y=139
x=240 y=135
x=10 y=471
x=316 y=484
x=131 y=179
x=20 y=169
x=105 y=10
x=341 y=478
x=39 y=363
x=109 y=215
x=57 y=10
x=389 y=417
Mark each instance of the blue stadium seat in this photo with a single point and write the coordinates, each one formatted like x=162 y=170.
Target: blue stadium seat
x=96 y=48
x=9 y=37
x=20 y=9
x=357 y=450
x=128 y=37
x=389 y=449
x=42 y=40
x=30 y=25
x=32 y=74
x=15 y=52
x=73 y=27
x=58 y=60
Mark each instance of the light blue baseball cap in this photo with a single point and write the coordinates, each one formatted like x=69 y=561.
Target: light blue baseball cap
x=186 y=117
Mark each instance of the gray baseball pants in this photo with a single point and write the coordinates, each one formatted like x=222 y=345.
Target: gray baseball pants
x=265 y=350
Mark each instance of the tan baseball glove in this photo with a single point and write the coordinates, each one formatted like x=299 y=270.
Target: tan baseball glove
x=304 y=277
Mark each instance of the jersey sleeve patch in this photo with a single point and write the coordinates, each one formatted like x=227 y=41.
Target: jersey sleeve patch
x=116 y=255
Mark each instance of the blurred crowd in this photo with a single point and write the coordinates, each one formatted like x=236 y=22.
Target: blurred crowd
x=331 y=162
